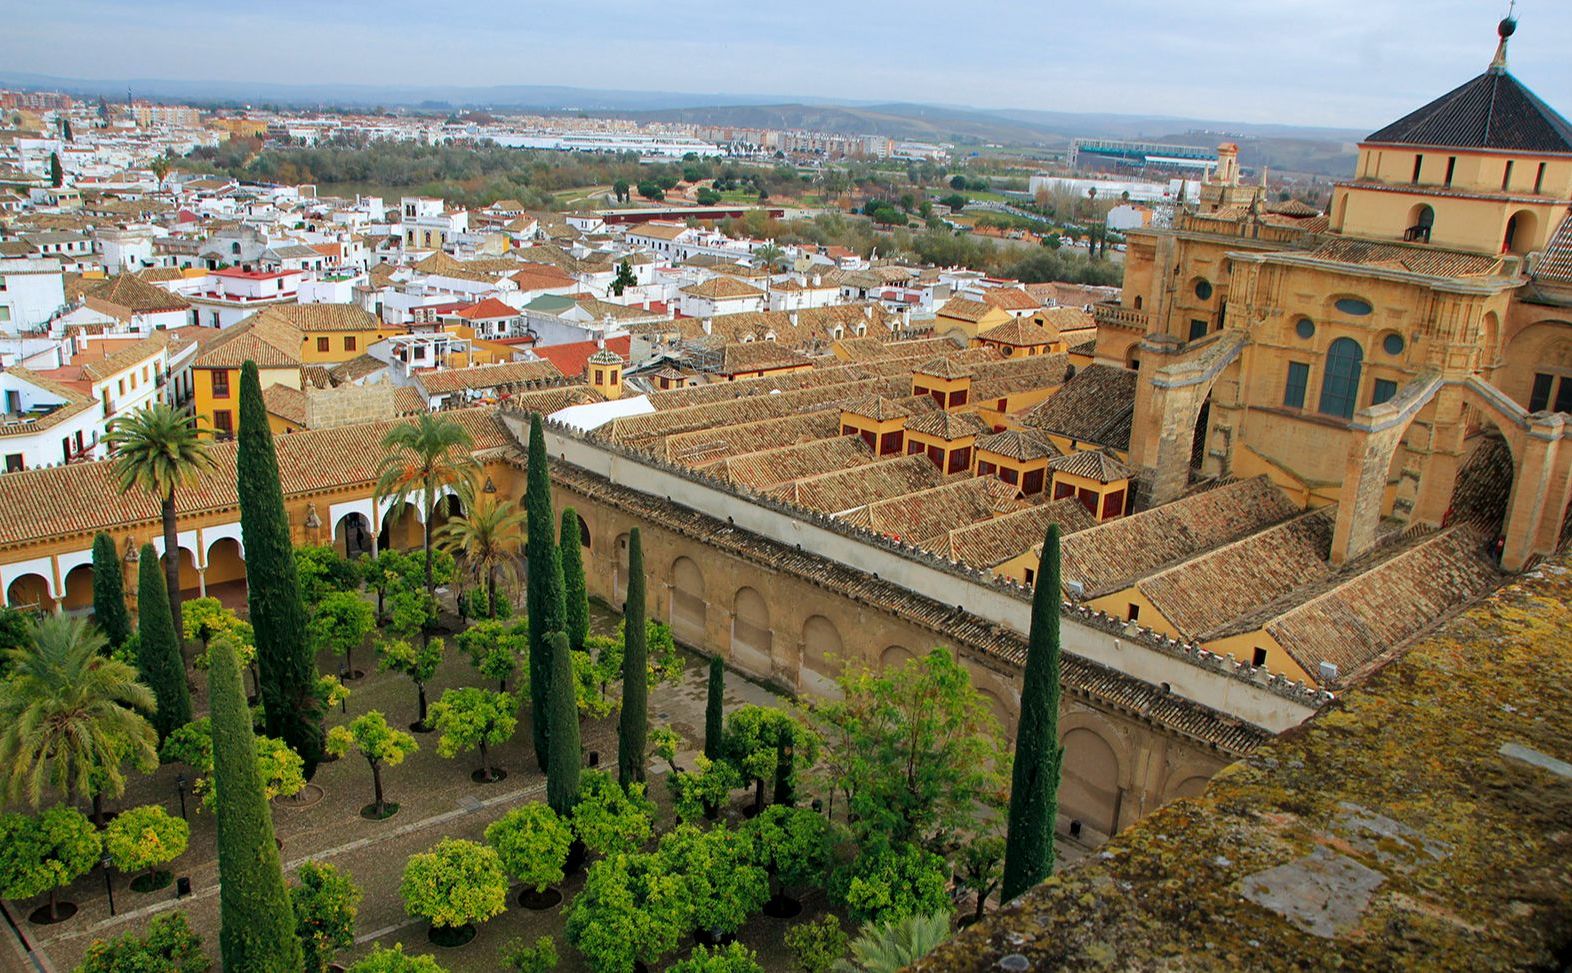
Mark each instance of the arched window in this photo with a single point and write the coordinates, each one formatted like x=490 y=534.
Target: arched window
x=1340 y=386
x=1421 y=219
x=1520 y=232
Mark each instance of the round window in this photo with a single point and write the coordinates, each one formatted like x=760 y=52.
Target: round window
x=1305 y=329
x=1203 y=290
x=1392 y=344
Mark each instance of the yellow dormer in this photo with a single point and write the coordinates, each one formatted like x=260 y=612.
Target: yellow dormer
x=605 y=373
x=880 y=422
x=948 y=382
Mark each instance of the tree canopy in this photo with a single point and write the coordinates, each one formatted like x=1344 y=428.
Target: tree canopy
x=916 y=749
x=609 y=819
x=532 y=843
x=454 y=884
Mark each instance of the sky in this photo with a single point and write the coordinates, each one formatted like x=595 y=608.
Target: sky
x=1342 y=63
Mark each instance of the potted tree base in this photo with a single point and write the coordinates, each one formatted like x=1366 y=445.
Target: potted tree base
x=540 y=900
x=451 y=937
x=52 y=912
x=372 y=812
x=152 y=880
x=782 y=906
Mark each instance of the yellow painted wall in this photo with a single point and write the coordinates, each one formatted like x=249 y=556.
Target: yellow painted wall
x=1118 y=605
x=1243 y=646
x=336 y=352
x=943 y=324
x=204 y=403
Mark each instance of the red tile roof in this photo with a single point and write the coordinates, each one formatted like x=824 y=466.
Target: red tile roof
x=487 y=309
x=571 y=358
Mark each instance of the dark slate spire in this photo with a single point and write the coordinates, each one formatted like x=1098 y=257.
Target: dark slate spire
x=1493 y=111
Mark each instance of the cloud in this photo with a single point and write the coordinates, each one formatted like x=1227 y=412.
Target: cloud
x=1348 y=63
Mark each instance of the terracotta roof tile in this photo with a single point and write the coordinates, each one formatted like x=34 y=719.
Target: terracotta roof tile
x=722 y=288
x=1017 y=444
x=833 y=493
x=1019 y=333
x=767 y=468
x=1214 y=588
x=948 y=426
x=926 y=517
x=1094 y=406
x=83 y=498
x=1118 y=553
x=1386 y=604
x=992 y=542
x=1094 y=464
x=487 y=377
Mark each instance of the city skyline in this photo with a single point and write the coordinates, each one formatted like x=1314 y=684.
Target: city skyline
x=1351 y=66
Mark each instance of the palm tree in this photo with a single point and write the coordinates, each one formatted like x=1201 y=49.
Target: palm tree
x=157 y=449
x=488 y=537
x=70 y=716
x=889 y=947
x=421 y=458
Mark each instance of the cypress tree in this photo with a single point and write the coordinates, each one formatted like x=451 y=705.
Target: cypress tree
x=109 y=592
x=256 y=924
x=56 y=174
x=575 y=601
x=714 y=709
x=158 y=651
x=562 y=774
x=543 y=589
x=1034 y=785
x=633 y=726
x=284 y=658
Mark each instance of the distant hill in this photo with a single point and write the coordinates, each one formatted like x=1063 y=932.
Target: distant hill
x=1316 y=151
x=920 y=122
x=1322 y=151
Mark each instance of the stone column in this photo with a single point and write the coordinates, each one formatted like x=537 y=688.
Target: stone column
x=1364 y=486
x=1539 y=493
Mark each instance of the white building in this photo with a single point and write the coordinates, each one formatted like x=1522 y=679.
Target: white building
x=428 y=224
x=45 y=422
x=31 y=292
x=719 y=295
x=228 y=296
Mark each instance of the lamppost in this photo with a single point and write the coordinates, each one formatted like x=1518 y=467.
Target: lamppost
x=109 y=883
x=180 y=788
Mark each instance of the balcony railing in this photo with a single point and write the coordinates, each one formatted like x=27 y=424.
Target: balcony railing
x=1114 y=315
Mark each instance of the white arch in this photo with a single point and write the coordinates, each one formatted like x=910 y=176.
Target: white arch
x=186 y=539
x=388 y=503
x=41 y=566
x=364 y=507
x=212 y=535
x=64 y=563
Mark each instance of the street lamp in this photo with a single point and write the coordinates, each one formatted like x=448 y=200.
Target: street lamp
x=109 y=883
x=180 y=787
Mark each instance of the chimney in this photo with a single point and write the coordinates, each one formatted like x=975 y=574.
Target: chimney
x=817 y=279
x=792 y=317
x=709 y=326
